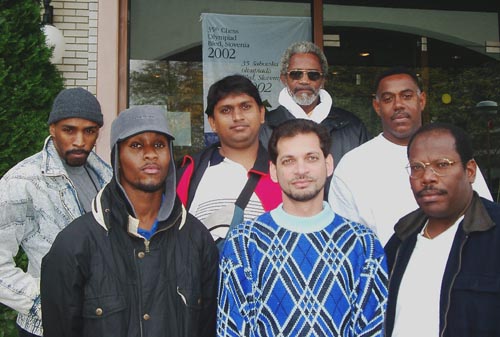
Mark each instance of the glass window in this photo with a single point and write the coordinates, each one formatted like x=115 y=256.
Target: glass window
x=461 y=78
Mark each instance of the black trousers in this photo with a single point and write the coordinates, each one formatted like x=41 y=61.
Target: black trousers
x=24 y=333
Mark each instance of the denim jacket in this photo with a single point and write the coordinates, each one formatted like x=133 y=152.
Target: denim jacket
x=37 y=200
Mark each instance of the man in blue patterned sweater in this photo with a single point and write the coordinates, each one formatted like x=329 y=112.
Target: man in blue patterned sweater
x=301 y=269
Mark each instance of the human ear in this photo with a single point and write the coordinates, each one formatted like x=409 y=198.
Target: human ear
x=470 y=170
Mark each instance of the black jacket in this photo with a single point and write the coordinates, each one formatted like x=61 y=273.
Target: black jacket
x=470 y=290
x=345 y=128
x=99 y=280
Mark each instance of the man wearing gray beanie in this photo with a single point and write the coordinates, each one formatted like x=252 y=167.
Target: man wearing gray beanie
x=139 y=264
x=42 y=194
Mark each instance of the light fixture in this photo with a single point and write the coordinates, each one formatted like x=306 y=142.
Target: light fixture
x=53 y=36
x=331 y=40
x=487 y=107
x=48 y=12
x=364 y=54
x=423 y=43
x=493 y=47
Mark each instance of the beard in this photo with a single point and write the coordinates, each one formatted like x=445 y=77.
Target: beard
x=75 y=162
x=302 y=195
x=304 y=98
x=149 y=187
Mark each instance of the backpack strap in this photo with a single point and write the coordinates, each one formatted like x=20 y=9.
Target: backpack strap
x=247 y=191
x=245 y=195
x=261 y=164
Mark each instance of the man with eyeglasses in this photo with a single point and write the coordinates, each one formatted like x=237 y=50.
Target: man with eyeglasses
x=303 y=68
x=445 y=256
x=370 y=184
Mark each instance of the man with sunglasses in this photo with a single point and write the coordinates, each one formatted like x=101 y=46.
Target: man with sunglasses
x=303 y=71
x=445 y=256
x=370 y=184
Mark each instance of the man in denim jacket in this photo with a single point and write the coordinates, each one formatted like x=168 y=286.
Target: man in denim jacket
x=44 y=193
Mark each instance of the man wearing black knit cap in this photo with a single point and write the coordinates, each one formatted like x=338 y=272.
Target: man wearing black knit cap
x=44 y=193
x=139 y=264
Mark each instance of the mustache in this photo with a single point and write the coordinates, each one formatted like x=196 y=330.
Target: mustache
x=400 y=114
x=77 y=151
x=303 y=87
x=235 y=125
x=302 y=178
x=150 y=165
x=430 y=190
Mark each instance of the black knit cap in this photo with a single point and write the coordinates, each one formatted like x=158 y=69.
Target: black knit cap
x=76 y=103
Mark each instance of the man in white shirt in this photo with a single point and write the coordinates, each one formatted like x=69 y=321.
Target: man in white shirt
x=370 y=184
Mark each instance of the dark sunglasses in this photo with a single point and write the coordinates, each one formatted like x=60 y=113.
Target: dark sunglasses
x=297 y=74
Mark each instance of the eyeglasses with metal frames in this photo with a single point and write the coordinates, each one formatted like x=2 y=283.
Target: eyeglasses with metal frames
x=439 y=167
x=297 y=74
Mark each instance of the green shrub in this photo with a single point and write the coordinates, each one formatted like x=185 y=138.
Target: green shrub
x=28 y=81
x=28 y=85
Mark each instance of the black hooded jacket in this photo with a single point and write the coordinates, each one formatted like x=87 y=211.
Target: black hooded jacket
x=101 y=280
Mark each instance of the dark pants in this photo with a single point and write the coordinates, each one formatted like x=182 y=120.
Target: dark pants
x=24 y=333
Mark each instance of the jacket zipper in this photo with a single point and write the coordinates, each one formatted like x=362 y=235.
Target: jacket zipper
x=388 y=284
x=138 y=293
x=147 y=242
x=448 y=299
x=183 y=298
x=146 y=250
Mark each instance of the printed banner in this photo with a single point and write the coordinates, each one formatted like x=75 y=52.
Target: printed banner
x=251 y=46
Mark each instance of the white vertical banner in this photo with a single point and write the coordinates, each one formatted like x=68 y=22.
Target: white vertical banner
x=251 y=46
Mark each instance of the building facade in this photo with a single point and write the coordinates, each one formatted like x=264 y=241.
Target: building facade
x=455 y=49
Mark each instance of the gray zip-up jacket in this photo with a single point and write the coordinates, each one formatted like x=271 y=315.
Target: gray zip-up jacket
x=37 y=200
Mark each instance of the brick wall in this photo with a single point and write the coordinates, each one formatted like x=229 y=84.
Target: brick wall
x=77 y=19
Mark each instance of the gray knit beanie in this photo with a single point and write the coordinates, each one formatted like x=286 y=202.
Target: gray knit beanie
x=76 y=103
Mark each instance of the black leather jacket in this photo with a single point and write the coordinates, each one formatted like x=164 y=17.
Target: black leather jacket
x=100 y=280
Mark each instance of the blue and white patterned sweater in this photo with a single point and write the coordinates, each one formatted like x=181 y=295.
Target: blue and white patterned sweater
x=316 y=276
